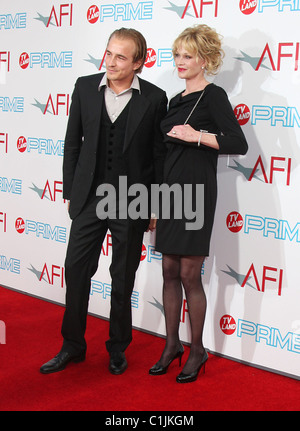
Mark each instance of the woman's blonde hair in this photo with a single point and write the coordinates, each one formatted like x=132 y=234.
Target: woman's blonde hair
x=204 y=42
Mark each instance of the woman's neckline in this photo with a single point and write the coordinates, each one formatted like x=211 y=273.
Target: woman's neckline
x=196 y=91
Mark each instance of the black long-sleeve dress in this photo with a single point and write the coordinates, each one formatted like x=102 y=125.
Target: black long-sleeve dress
x=189 y=164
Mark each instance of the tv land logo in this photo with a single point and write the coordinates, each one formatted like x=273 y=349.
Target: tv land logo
x=46 y=59
x=43 y=146
x=284 y=54
x=247 y=7
x=269 y=227
x=41 y=230
x=273 y=116
x=120 y=12
x=260 y=333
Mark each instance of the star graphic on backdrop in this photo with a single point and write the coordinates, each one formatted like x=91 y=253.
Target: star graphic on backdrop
x=43 y=19
x=253 y=61
x=157 y=305
x=245 y=171
x=38 y=191
x=41 y=106
x=36 y=273
x=97 y=62
x=177 y=9
x=238 y=277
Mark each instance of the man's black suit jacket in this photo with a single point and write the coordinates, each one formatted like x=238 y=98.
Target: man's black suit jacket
x=144 y=150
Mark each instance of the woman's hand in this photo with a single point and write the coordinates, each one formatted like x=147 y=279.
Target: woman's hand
x=184 y=133
x=188 y=134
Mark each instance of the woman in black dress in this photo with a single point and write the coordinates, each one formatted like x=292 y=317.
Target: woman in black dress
x=199 y=126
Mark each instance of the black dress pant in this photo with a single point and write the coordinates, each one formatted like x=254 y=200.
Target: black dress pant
x=86 y=237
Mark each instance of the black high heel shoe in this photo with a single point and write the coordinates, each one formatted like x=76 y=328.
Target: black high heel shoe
x=158 y=370
x=191 y=377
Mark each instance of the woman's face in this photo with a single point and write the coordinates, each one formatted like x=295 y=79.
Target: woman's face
x=188 y=65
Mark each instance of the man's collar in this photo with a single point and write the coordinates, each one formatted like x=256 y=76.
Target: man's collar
x=135 y=85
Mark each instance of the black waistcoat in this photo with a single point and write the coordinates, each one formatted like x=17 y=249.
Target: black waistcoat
x=110 y=159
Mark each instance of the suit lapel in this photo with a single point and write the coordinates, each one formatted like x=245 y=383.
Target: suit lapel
x=138 y=107
x=96 y=108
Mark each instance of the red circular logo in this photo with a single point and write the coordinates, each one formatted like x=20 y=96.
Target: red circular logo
x=24 y=60
x=227 y=324
x=144 y=253
x=234 y=221
x=20 y=225
x=151 y=57
x=21 y=144
x=93 y=14
x=242 y=113
x=248 y=6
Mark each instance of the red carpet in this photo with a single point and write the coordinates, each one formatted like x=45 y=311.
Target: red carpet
x=33 y=337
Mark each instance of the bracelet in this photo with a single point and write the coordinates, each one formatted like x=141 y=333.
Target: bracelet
x=200 y=136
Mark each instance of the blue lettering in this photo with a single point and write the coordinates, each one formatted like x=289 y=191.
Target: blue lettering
x=12 y=265
x=11 y=186
x=45 y=231
x=7 y=21
x=127 y=11
x=16 y=105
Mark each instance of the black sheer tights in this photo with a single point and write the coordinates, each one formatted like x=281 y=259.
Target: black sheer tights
x=183 y=271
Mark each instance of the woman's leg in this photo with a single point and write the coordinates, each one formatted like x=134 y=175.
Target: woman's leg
x=172 y=301
x=190 y=273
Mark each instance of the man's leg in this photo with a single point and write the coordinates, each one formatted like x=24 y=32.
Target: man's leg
x=86 y=238
x=127 y=247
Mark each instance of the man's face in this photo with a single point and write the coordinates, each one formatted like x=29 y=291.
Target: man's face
x=119 y=61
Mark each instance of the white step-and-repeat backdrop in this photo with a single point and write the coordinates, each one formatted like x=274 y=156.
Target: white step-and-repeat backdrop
x=252 y=276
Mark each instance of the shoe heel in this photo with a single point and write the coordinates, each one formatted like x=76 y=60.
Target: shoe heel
x=180 y=358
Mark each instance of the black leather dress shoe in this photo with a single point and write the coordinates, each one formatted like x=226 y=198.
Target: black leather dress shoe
x=60 y=361
x=117 y=363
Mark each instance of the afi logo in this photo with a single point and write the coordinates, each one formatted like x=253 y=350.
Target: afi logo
x=4 y=141
x=191 y=5
x=52 y=271
x=3 y=217
x=283 y=53
x=55 y=104
x=284 y=166
x=57 y=188
x=63 y=14
x=277 y=164
x=269 y=274
x=5 y=60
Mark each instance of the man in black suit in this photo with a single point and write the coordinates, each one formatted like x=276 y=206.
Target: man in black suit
x=113 y=131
